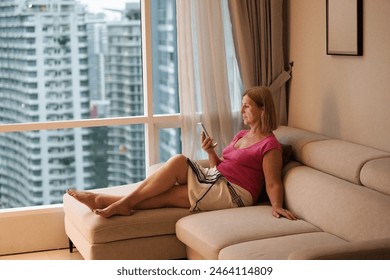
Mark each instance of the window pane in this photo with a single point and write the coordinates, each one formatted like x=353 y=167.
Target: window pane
x=164 y=49
x=59 y=61
x=37 y=167
x=170 y=143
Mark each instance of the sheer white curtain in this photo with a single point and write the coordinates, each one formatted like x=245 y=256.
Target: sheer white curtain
x=208 y=74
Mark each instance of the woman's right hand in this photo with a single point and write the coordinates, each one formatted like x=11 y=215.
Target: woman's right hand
x=208 y=147
x=207 y=143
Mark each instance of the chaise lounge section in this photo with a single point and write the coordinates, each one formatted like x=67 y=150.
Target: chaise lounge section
x=147 y=234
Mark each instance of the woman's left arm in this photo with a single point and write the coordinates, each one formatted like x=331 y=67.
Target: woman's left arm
x=272 y=167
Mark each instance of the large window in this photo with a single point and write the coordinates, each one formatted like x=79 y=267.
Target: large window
x=88 y=98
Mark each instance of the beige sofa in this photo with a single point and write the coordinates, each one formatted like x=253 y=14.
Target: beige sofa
x=340 y=191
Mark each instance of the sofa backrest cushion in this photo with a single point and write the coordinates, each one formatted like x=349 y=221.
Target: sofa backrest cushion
x=297 y=138
x=333 y=156
x=339 y=158
x=350 y=211
x=375 y=174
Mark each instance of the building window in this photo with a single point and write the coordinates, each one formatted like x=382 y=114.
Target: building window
x=76 y=107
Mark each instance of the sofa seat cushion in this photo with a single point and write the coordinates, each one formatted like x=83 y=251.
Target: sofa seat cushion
x=208 y=233
x=375 y=174
x=278 y=248
x=145 y=223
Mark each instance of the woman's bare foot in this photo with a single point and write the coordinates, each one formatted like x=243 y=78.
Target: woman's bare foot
x=103 y=213
x=120 y=208
x=102 y=204
x=87 y=198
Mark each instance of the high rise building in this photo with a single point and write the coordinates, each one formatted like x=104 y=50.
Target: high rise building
x=43 y=77
x=123 y=66
x=97 y=49
x=165 y=82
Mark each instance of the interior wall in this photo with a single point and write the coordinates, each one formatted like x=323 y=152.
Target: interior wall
x=346 y=97
x=32 y=229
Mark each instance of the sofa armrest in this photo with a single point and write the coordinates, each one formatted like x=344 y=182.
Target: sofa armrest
x=378 y=249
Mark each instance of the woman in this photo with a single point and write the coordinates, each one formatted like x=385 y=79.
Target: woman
x=251 y=161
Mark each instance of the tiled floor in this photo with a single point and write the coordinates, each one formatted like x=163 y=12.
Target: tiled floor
x=45 y=255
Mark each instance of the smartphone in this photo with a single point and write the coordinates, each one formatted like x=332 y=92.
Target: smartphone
x=206 y=133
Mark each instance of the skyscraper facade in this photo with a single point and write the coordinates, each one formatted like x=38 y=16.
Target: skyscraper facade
x=165 y=85
x=43 y=77
x=126 y=144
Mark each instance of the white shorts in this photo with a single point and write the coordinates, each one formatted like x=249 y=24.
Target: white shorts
x=209 y=190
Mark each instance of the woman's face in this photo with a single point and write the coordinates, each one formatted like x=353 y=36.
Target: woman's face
x=251 y=113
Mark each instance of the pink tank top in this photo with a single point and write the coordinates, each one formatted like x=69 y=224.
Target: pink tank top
x=244 y=167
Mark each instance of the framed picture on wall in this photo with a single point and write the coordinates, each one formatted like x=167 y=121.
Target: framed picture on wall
x=344 y=27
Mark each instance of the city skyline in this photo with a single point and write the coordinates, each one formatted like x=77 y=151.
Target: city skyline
x=101 y=6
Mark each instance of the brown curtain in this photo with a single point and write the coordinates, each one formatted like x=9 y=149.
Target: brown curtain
x=258 y=40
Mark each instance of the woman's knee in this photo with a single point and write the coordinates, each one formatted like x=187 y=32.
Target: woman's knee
x=177 y=161
x=178 y=158
x=178 y=166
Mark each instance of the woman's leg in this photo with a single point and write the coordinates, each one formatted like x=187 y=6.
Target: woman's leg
x=159 y=189
x=174 y=197
x=174 y=171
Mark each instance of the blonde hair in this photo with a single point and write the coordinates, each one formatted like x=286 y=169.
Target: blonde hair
x=263 y=98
